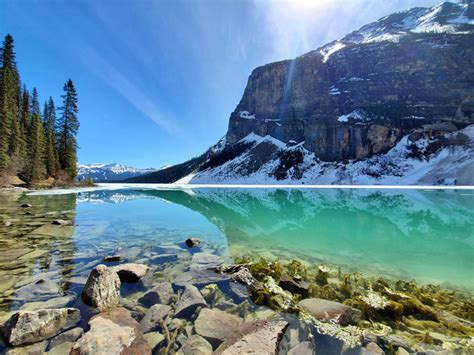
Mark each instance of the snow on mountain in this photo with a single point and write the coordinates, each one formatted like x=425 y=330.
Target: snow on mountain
x=109 y=172
x=445 y=17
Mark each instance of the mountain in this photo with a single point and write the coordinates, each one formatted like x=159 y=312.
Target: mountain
x=109 y=172
x=390 y=103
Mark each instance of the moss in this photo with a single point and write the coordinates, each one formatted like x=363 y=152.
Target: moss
x=297 y=269
x=263 y=268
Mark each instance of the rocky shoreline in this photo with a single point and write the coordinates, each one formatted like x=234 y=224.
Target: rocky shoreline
x=183 y=298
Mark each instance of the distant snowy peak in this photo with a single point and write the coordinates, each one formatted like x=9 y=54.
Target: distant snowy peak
x=109 y=172
x=447 y=17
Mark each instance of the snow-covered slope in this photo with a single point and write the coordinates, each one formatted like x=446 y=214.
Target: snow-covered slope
x=414 y=160
x=109 y=172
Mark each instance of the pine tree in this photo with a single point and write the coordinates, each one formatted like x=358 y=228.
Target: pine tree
x=67 y=128
x=36 y=168
x=9 y=89
x=51 y=154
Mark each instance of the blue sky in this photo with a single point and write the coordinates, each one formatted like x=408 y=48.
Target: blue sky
x=157 y=80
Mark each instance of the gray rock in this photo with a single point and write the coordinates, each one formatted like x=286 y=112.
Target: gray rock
x=259 y=337
x=26 y=205
x=69 y=336
x=102 y=289
x=215 y=325
x=294 y=286
x=195 y=345
x=130 y=272
x=41 y=289
x=33 y=349
x=61 y=349
x=153 y=316
x=199 y=278
x=114 y=332
x=330 y=311
x=111 y=258
x=62 y=222
x=154 y=338
x=190 y=299
x=161 y=293
x=205 y=260
x=26 y=327
x=304 y=348
x=372 y=349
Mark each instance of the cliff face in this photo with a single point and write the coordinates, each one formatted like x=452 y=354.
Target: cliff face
x=358 y=96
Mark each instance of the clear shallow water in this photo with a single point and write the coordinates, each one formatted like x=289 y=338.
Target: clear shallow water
x=411 y=234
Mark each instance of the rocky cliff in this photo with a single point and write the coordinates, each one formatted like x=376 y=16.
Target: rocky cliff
x=406 y=79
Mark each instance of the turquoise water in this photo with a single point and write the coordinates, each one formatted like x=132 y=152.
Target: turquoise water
x=423 y=235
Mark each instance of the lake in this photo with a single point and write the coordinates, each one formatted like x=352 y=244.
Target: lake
x=424 y=235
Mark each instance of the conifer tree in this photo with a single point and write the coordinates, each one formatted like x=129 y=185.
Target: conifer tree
x=67 y=128
x=36 y=168
x=51 y=154
x=9 y=88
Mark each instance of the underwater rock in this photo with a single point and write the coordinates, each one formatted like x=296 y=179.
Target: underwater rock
x=189 y=301
x=303 y=348
x=61 y=222
x=102 y=289
x=58 y=302
x=111 y=258
x=330 y=311
x=26 y=205
x=39 y=290
x=153 y=317
x=372 y=349
x=161 y=293
x=114 y=332
x=195 y=345
x=215 y=325
x=69 y=336
x=26 y=327
x=205 y=260
x=199 y=278
x=294 y=286
x=32 y=349
x=259 y=337
x=130 y=272
x=61 y=349
x=7 y=224
x=192 y=242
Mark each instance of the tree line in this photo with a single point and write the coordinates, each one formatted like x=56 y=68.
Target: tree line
x=35 y=143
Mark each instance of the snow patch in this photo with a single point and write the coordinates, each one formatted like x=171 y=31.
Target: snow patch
x=327 y=52
x=246 y=115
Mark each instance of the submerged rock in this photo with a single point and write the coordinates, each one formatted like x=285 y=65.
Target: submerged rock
x=26 y=327
x=304 y=348
x=259 y=337
x=192 y=242
x=130 y=272
x=205 y=260
x=199 y=278
x=102 y=289
x=189 y=301
x=161 y=293
x=69 y=336
x=195 y=345
x=215 y=325
x=114 y=332
x=61 y=222
x=26 y=205
x=330 y=311
x=154 y=315
x=111 y=258
x=372 y=349
x=294 y=286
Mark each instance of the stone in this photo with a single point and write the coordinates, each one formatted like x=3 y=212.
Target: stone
x=129 y=252
x=205 y=260
x=111 y=258
x=304 y=348
x=7 y=224
x=33 y=349
x=61 y=222
x=190 y=299
x=160 y=293
x=372 y=349
x=153 y=316
x=192 y=242
x=26 y=205
x=195 y=345
x=401 y=351
x=216 y=326
x=259 y=337
x=102 y=289
x=26 y=327
x=58 y=302
x=329 y=311
x=114 y=332
x=69 y=336
x=154 y=338
x=130 y=272
x=199 y=278
x=61 y=349
x=294 y=286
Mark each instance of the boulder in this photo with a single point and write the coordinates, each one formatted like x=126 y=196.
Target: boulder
x=26 y=327
x=294 y=286
x=154 y=338
x=161 y=293
x=195 y=345
x=130 y=272
x=69 y=336
x=61 y=349
x=259 y=337
x=330 y=311
x=199 y=278
x=304 y=348
x=114 y=332
x=32 y=349
x=192 y=242
x=102 y=289
x=372 y=349
x=215 y=325
x=42 y=289
x=152 y=318
x=189 y=301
